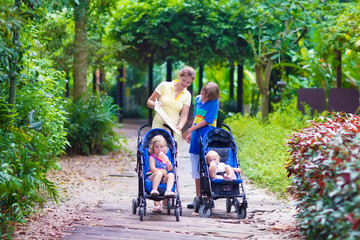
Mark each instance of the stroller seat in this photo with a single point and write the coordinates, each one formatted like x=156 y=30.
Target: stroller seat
x=221 y=141
x=148 y=183
x=226 y=156
x=142 y=167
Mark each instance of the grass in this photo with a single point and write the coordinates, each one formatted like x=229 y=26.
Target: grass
x=262 y=149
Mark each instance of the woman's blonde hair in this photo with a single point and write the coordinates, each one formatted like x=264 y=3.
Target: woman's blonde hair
x=155 y=139
x=187 y=71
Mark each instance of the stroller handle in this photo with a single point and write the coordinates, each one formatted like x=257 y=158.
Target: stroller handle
x=171 y=131
x=141 y=128
x=226 y=126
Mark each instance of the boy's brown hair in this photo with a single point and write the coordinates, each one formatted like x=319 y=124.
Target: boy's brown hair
x=211 y=91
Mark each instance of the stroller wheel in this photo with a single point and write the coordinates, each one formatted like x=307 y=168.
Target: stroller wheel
x=168 y=206
x=141 y=213
x=178 y=205
x=241 y=212
x=196 y=204
x=177 y=214
x=236 y=203
x=205 y=211
x=228 y=205
x=134 y=206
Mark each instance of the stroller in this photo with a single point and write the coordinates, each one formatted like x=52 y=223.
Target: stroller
x=142 y=167
x=221 y=141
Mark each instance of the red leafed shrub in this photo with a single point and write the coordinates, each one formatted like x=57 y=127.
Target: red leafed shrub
x=325 y=165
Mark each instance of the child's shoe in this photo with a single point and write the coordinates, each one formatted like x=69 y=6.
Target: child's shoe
x=169 y=194
x=154 y=193
x=157 y=209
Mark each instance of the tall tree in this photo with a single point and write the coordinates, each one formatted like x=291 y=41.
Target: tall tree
x=275 y=26
x=80 y=43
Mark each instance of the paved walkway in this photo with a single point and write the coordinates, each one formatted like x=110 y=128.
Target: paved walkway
x=268 y=218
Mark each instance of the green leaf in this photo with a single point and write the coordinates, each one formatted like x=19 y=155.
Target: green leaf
x=31 y=116
x=36 y=126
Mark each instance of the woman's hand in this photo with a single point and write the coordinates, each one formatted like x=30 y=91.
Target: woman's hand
x=188 y=138
x=157 y=102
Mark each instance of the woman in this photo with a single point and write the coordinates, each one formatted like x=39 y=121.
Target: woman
x=175 y=100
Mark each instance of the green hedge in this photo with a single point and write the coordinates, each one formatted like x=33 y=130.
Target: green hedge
x=325 y=164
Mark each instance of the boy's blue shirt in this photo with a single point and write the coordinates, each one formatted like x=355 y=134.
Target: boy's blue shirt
x=211 y=109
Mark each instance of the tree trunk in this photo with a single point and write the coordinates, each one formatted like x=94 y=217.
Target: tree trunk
x=120 y=82
x=67 y=90
x=12 y=87
x=231 y=79
x=338 y=68
x=201 y=75
x=168 y=70
x=80 y=43
x=263 y=72
x=94 y=81
x=102 y=79
x=240 y=89
x=151 y=66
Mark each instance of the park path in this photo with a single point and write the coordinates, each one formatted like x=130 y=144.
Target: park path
x=268 y=217
x=96 y=199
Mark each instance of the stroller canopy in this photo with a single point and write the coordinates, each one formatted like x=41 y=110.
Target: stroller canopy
x=219 y=138
x=158 y=131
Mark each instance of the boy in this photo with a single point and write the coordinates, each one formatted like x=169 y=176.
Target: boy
x=205 y=118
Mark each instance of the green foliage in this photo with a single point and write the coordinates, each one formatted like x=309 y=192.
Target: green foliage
x=91 y=126
x=261 y=146
x=195 y=32
x=273 y=26
x=315 y=63
x=324 y=161
x=30 y=141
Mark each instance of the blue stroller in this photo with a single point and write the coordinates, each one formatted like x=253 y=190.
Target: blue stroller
x=221 y=141
x=142 y=167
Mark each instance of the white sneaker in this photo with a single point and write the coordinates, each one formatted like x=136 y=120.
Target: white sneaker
x=169 y=194
x=154 y=193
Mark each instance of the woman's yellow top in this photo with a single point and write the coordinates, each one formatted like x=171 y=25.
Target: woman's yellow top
x=171 y=105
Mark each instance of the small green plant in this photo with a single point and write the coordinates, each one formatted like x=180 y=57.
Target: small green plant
x=91 y=126
x=325 y=166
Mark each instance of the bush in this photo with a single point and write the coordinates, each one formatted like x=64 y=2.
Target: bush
x=91 y=126
x=261 y=145
x=31 y=139
x=325 y=164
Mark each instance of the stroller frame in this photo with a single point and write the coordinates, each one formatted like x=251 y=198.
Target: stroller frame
x=140 y=201
x=205 y=202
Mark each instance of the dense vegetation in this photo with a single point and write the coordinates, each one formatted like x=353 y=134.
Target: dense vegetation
x=50 y=49
x=31 y=139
